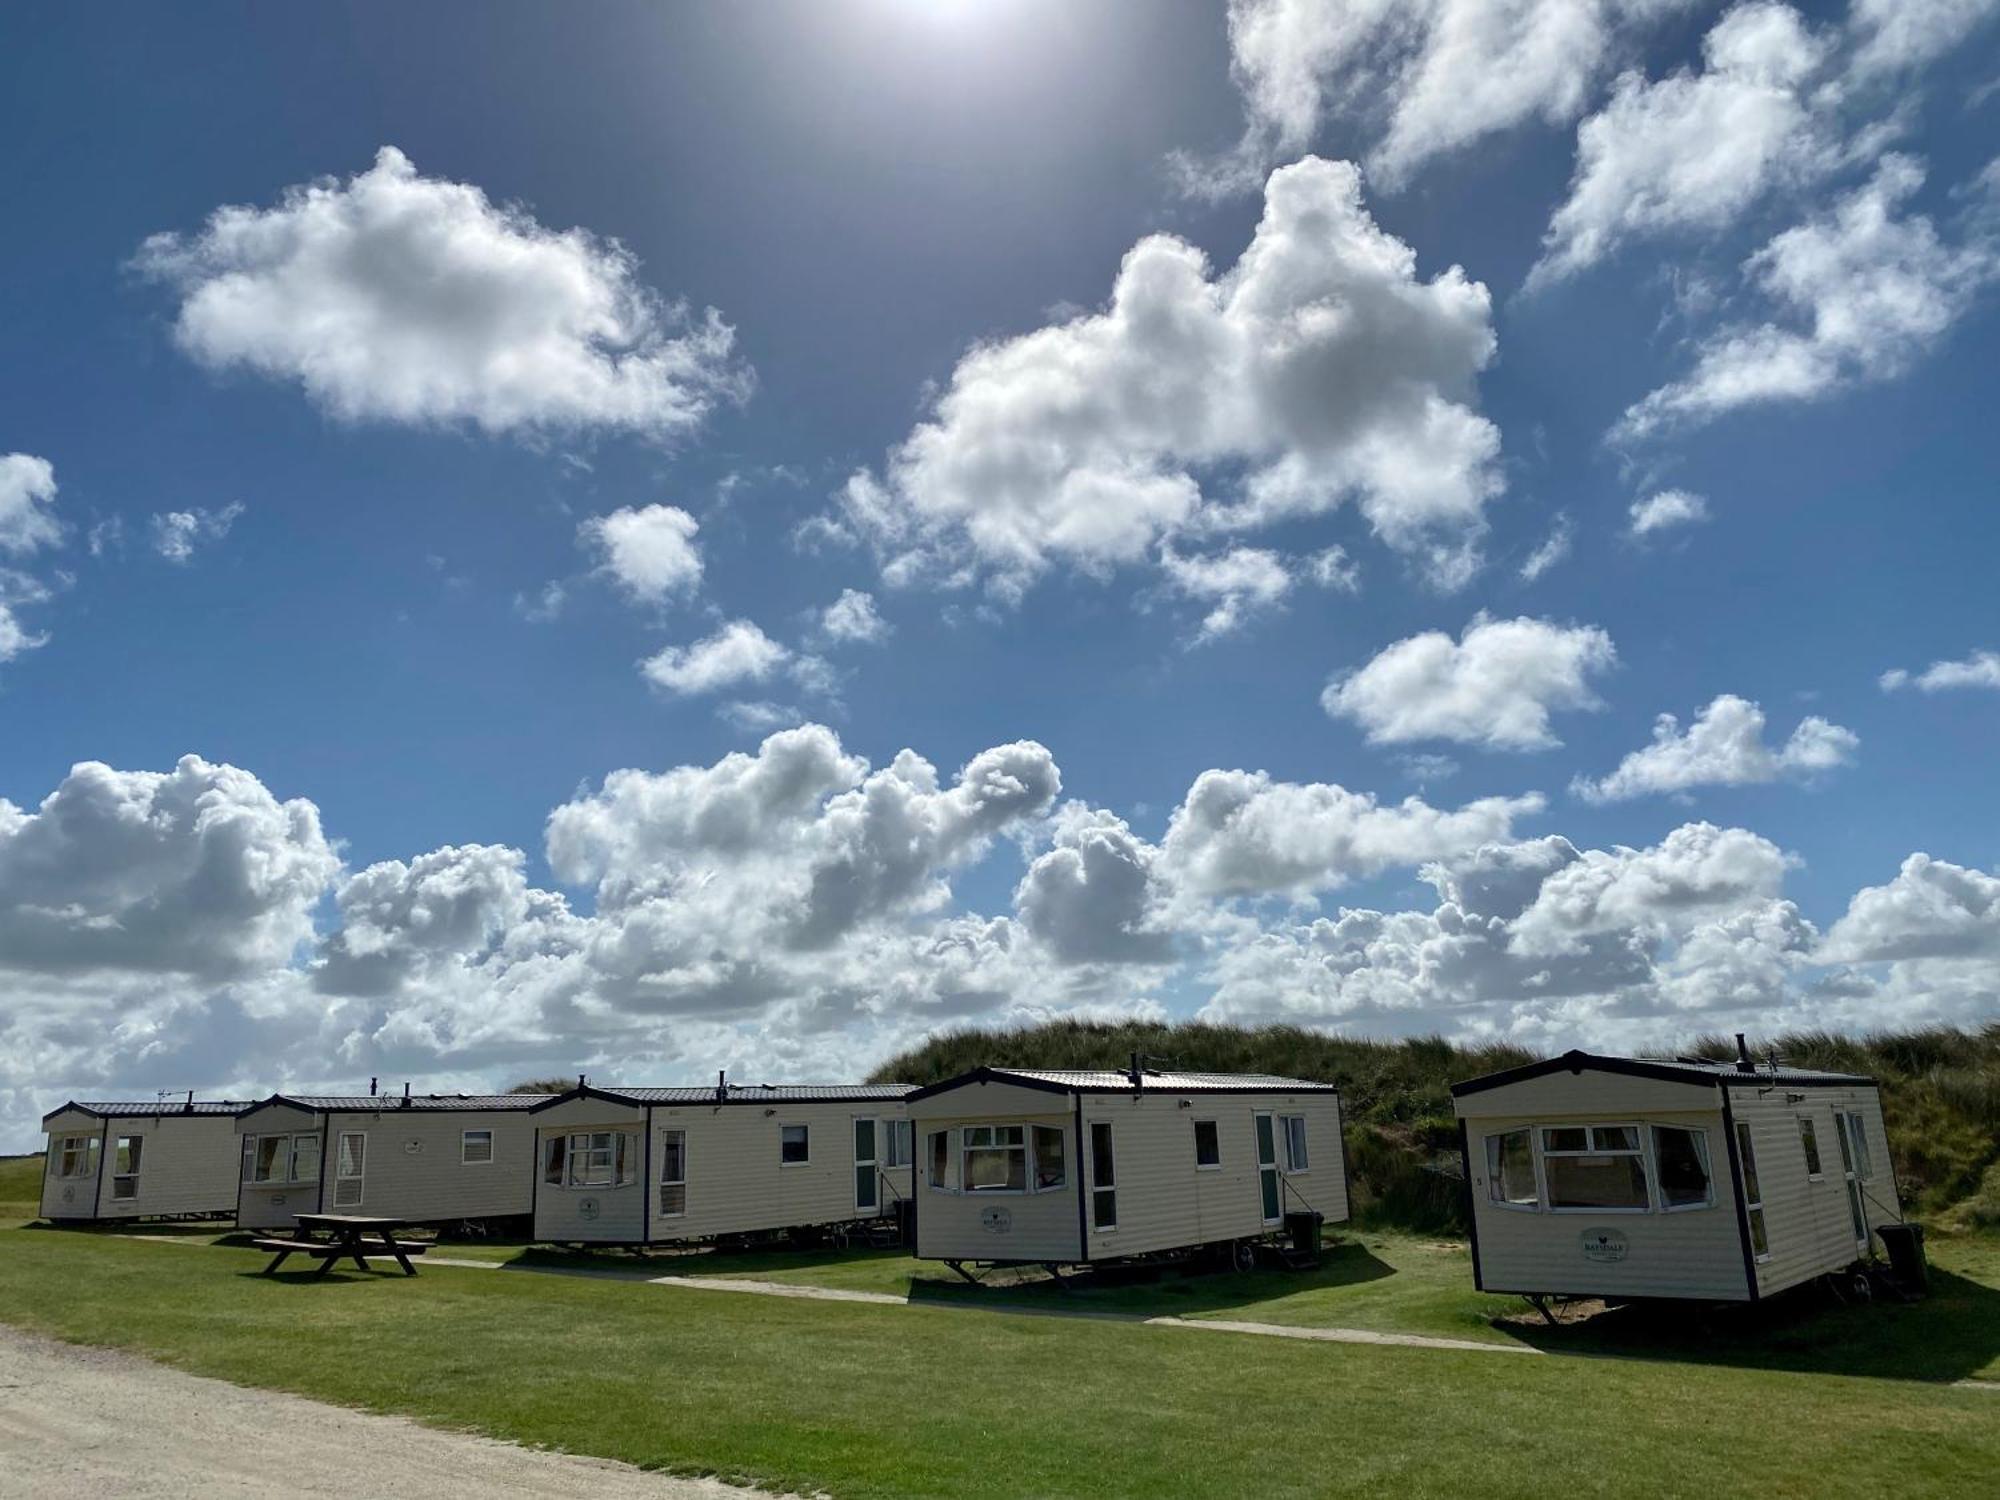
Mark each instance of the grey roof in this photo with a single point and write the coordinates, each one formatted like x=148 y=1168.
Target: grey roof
x=754 y=1093
x=1117 y=1081
x=389 y=1103
x=1697 y=1071
x=123 y=1109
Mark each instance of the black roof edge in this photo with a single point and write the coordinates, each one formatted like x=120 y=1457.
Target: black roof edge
x=1576 y=1061
x=985 y=1074
x=583 y=1091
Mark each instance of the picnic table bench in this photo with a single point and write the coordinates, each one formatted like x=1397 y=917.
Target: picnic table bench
x=345 y=1236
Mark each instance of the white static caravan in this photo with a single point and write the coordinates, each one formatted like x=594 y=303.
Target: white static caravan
x=1634 y=1178
x=641 y=1166
x=140 y=1161
x=1061 y=1168
x=428 y=1159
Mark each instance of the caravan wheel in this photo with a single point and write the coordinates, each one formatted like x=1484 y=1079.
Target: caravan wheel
x=1244 y=1256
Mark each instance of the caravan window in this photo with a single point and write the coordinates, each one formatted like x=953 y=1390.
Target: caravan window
x=1510 y=1170
x=794 y=1145
x=943 y=1179
x=673 y=1174
x=125 y=1167
x=593 y=1159
x=305 y=1158
x=1295 y=1142
x=1594 y=1168
x=79 y=1157
x=1681 y=1158
x=899 y=1141
x=1864 y=1167
x=1207 y=1146
x=1051 y=1170
x=273 y=1159
x=996 y=1159
x=475 y=1148
x=555 y=1152
x=1103 y=1179
x=1753 y=1192
x=1809 y=1139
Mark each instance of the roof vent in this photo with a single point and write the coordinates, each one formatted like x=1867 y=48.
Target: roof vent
x=371 y=1086
x=1743 y=1062
x=406 y=1093
x=722 y=1083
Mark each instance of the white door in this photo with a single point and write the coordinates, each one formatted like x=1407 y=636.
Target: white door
x=350 y=1164
x=867 y=1189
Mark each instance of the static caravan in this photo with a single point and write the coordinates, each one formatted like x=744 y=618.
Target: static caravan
x=1058 y=1168
x=430 y=1159
x=140 y=1161
x=619 y=1166
x=1623 y=1177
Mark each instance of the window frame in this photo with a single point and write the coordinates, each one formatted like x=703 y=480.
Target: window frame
x=1215 y=1130
x=125 y=1184
x=1658 y=1186
x=1099 y=1188
x=465 y=1143
x=1756 y=1225
x=1809 y=1144
x=342 y=1176
x=1493 y=1176
x=84 y=1148
x=806 y=1130
x=942 y=1164
x=900 y=1139
x=1590 y=1129
x=582 y=1165
x=670 y=1147
x=1036 y=1135
x=1297 y=1163
x=966 y=1146
x=1864 y=1154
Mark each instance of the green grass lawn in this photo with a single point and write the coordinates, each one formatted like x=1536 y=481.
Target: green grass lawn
x=863 y=1400
x=20 y=1188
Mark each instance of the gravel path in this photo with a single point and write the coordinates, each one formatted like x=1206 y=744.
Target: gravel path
x=77 y=1421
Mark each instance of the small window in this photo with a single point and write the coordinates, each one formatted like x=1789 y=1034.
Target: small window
x=1864 y=1165
x=1753 y=1193
x=350 y=1162
x=1681 y=1157
x=1103 y=1178
x=1295 y=1142
x=1809 y=1138
x=1207 y=1145
x=273 y=1162
x=996 y=1158
x=794 y=1145
x=942 y=1178
x=555 y=1154
x=1510 y=1170
x=125 y=1166
x=592 y=1159
x=673 y=1173
x=1051 y=1168
x=78 y=1157
x=1597 y=1168
x=900 y=1142
x=305 y=1158
x=475 y=1148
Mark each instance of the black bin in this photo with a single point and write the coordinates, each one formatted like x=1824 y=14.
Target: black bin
x=1905 y=1244
x=1302 y=1227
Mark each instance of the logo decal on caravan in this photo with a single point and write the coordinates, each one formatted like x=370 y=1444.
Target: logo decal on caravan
x=997 y=1220
x=1603 y=1245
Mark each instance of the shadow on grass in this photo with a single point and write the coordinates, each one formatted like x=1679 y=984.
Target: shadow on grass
x=1159 y=1292
x=1953 y=1334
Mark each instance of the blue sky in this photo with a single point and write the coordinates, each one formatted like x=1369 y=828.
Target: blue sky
x=361 y=490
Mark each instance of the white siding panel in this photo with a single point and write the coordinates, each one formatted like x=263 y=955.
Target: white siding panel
x=1808 y=1223
x=999 y=1226
x=1590 y=1092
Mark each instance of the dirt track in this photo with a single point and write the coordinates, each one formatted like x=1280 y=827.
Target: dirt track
x=77 y=1421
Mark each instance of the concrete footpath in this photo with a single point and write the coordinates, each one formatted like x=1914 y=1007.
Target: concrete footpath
x=77 y=1421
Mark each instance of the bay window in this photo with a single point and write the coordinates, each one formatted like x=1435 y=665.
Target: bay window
x=1510 y=1170
x=1594 y=1168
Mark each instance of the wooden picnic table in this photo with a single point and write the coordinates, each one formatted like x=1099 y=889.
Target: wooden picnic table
x=346 y=1235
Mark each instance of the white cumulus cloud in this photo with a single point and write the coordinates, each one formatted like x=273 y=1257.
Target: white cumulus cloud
x=648 y=550
x=1724 y=746
x=1234 y=584
x=1665 y=510
x=737 y=653
x=853 y=617
x=395 y=297
x=178 y=534
x=1320 y=368
x=1495 y=686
